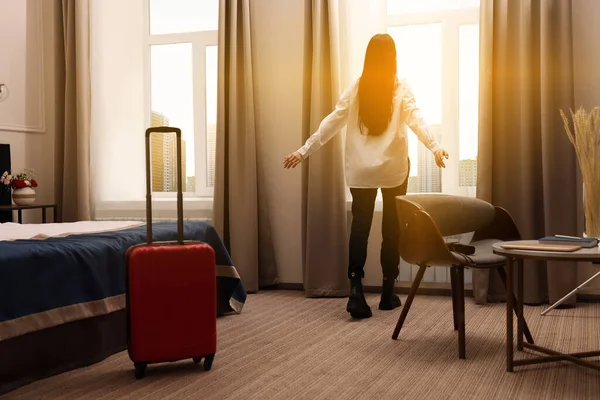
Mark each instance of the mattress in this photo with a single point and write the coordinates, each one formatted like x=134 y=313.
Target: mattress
x=10 y=231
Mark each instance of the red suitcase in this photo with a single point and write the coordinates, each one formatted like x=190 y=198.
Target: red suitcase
x=170 y=291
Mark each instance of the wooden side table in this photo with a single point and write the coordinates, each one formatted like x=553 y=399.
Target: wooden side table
x=548 y=355
x=43 y=207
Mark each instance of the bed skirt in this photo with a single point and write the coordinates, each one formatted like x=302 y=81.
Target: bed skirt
x=59 y=349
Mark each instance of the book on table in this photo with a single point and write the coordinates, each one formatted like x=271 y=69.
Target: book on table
x=570 y=240
x=541 y=247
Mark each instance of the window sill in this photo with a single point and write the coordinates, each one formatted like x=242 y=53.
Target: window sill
x=193 y=208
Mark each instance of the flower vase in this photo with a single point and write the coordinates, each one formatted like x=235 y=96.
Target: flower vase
x=24 y=196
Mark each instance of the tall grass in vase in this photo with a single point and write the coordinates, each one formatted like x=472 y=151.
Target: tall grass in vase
x=585 y=138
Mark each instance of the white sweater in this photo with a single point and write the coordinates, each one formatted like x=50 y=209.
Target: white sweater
x=373 y=161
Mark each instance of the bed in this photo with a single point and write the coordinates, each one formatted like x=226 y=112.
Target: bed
x=62 y=292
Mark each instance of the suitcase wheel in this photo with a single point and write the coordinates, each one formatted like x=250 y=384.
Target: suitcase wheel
x=140 y=370
x=208 y=360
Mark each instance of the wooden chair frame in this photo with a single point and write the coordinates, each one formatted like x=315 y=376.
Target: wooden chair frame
x=422 y=243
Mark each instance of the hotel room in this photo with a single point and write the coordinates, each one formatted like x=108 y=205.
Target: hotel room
x=248 y=83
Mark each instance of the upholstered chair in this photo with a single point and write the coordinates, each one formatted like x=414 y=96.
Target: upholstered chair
x=426 y=220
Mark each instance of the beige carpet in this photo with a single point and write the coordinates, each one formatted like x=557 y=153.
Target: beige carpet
x=284 y=346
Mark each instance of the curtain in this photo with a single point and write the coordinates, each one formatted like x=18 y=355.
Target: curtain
x=325 y=237
x=240 y=210
x=73 y=109
x=526 y=163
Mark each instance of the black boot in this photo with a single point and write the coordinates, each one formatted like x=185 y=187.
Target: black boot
x=357 y=305
x=389 y=300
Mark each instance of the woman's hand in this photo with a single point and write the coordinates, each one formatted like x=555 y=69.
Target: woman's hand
x=291 y=160
x=439 y=157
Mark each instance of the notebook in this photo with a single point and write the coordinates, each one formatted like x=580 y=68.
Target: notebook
x=570 y=240
x=542 y=247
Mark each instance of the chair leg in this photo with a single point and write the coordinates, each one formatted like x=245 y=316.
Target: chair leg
x=460 y=310
x=454 y=291
x=528 y=336
x=409 y=300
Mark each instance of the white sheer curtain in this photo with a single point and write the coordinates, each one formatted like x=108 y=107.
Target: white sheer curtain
x=118 y=101
x=356 y=23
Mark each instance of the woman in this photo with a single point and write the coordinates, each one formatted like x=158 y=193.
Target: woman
x=374 y=109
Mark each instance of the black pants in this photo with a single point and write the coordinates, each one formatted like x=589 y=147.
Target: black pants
x=363 y=205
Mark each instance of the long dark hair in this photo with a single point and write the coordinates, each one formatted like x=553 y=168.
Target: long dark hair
x=376 y=85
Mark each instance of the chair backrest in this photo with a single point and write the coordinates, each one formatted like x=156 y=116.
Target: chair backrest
x=453 y=215
x=426 y=218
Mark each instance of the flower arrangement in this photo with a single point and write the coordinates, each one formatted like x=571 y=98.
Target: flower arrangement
x=586 y=141
x=20 y=180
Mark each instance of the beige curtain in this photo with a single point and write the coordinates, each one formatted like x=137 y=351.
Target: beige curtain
x=241 y=211
x=526 y=163
x=73 y=108
x=324 y=191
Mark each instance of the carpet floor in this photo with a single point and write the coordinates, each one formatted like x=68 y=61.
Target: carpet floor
x=286 y=346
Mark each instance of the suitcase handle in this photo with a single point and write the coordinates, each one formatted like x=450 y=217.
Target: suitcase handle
x=149 y=131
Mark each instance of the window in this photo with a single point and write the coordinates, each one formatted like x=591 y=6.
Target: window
x=438 y=53
x=153 y=62
x=181 y=91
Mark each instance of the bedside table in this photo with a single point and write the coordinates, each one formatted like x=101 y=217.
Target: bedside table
x=43 y=207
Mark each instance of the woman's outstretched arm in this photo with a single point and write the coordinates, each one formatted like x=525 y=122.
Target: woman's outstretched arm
x=413 y=118
x=329 y=127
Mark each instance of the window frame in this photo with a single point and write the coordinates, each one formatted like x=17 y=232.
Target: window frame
x=199 y=41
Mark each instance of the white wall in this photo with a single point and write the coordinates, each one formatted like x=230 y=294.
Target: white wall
x=586 y=53
x=27 y=34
